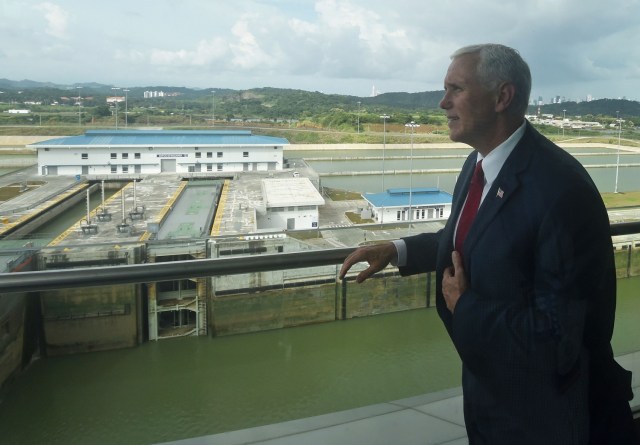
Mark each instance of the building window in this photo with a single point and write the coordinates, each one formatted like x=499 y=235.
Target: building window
x=219 y=154
x=114 y=156
x=209 y=154
x=114 y=169
x=245 y=154
x=136 y=155
x=398 y=215
x=125 y=155
x=198 y=154
x=85 y=155
x=209 y=167
x=219 y=167
x=125 y=169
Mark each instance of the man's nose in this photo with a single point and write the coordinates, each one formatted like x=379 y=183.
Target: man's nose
x=444 y=102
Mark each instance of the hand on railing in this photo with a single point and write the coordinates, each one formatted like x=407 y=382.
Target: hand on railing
x=378 y=256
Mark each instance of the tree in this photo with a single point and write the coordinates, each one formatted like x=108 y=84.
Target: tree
x=101 y=111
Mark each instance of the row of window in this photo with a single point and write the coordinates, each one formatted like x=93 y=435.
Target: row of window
x=114 y=156
x=428 y=213
x=290 y=209
x=245 y=154
x=126 y=168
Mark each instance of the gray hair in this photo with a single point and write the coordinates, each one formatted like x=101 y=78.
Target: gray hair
x=497 y=64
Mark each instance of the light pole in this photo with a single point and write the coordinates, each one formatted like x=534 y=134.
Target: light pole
x=413 y=126
x=213 y=108
x=116 y=98
x=126 y=110
x=358 y=117
x=615 y=190
x=384 y=118
x=79 y=110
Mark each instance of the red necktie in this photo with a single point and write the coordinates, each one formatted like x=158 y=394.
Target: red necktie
x=470 y=206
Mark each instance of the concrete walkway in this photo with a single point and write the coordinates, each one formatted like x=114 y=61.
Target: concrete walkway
x=429 y=419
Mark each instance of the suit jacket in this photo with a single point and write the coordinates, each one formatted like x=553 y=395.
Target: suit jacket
x=533 y=329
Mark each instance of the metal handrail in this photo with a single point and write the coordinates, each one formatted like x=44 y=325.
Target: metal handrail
x=152 y=272
x=625 y=228
x=175 y=270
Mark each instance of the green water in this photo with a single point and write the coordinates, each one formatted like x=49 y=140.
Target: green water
x=604 y=178
x=189 y=387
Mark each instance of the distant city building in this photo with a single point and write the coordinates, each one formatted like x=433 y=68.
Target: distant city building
x=118 y=152
x=550 y=119
x=152 y=94
x=394 y=205
x=114 y=99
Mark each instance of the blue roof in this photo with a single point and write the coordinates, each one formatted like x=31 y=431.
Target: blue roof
x=399 y=197
x=163 y=137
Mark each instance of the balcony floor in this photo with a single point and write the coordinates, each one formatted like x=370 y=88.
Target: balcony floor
x=428 y=419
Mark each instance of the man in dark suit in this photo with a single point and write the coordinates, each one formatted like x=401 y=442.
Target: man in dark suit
x=526 y=286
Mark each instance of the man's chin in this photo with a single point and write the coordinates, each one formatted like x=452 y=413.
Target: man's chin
x=454 y=136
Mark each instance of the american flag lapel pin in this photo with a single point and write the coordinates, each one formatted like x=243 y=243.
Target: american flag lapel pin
x=500 y=193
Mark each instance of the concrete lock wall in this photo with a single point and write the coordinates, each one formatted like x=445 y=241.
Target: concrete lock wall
x=89 y=319
x=627 y=257
x=272 y=309
x=12 y=328
x=385 y=295
x=294 y=306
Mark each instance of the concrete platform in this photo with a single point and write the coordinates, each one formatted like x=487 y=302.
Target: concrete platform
x=429 y=419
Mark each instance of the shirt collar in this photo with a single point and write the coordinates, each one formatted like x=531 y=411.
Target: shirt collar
x=493 y=162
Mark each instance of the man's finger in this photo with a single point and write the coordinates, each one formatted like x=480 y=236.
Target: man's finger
x=352 y=259
x=456 y=258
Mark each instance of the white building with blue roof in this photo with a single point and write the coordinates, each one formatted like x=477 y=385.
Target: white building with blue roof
x=129 y=152
x=394 y=205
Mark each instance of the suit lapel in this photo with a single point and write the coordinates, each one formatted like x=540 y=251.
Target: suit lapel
x=501 y=191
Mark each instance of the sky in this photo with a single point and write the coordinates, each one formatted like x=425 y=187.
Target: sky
x=575 y=48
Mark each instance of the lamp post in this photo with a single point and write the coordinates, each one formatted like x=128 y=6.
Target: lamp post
x=413 y=126
x=126 y=110
x=615 y=190
x=79 y=109
x=384 y=118
x=358 y=117
x=116 y=98
x=213 y=108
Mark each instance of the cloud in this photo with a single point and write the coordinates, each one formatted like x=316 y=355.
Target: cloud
x=574 y=47
x=206 y=52
x=56 y=17
x=247 y=51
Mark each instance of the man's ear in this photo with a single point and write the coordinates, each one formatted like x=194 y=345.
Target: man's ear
x=506 y=94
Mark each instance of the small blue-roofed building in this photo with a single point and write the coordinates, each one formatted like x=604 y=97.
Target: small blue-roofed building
x=393 y=205
x=129 y=152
